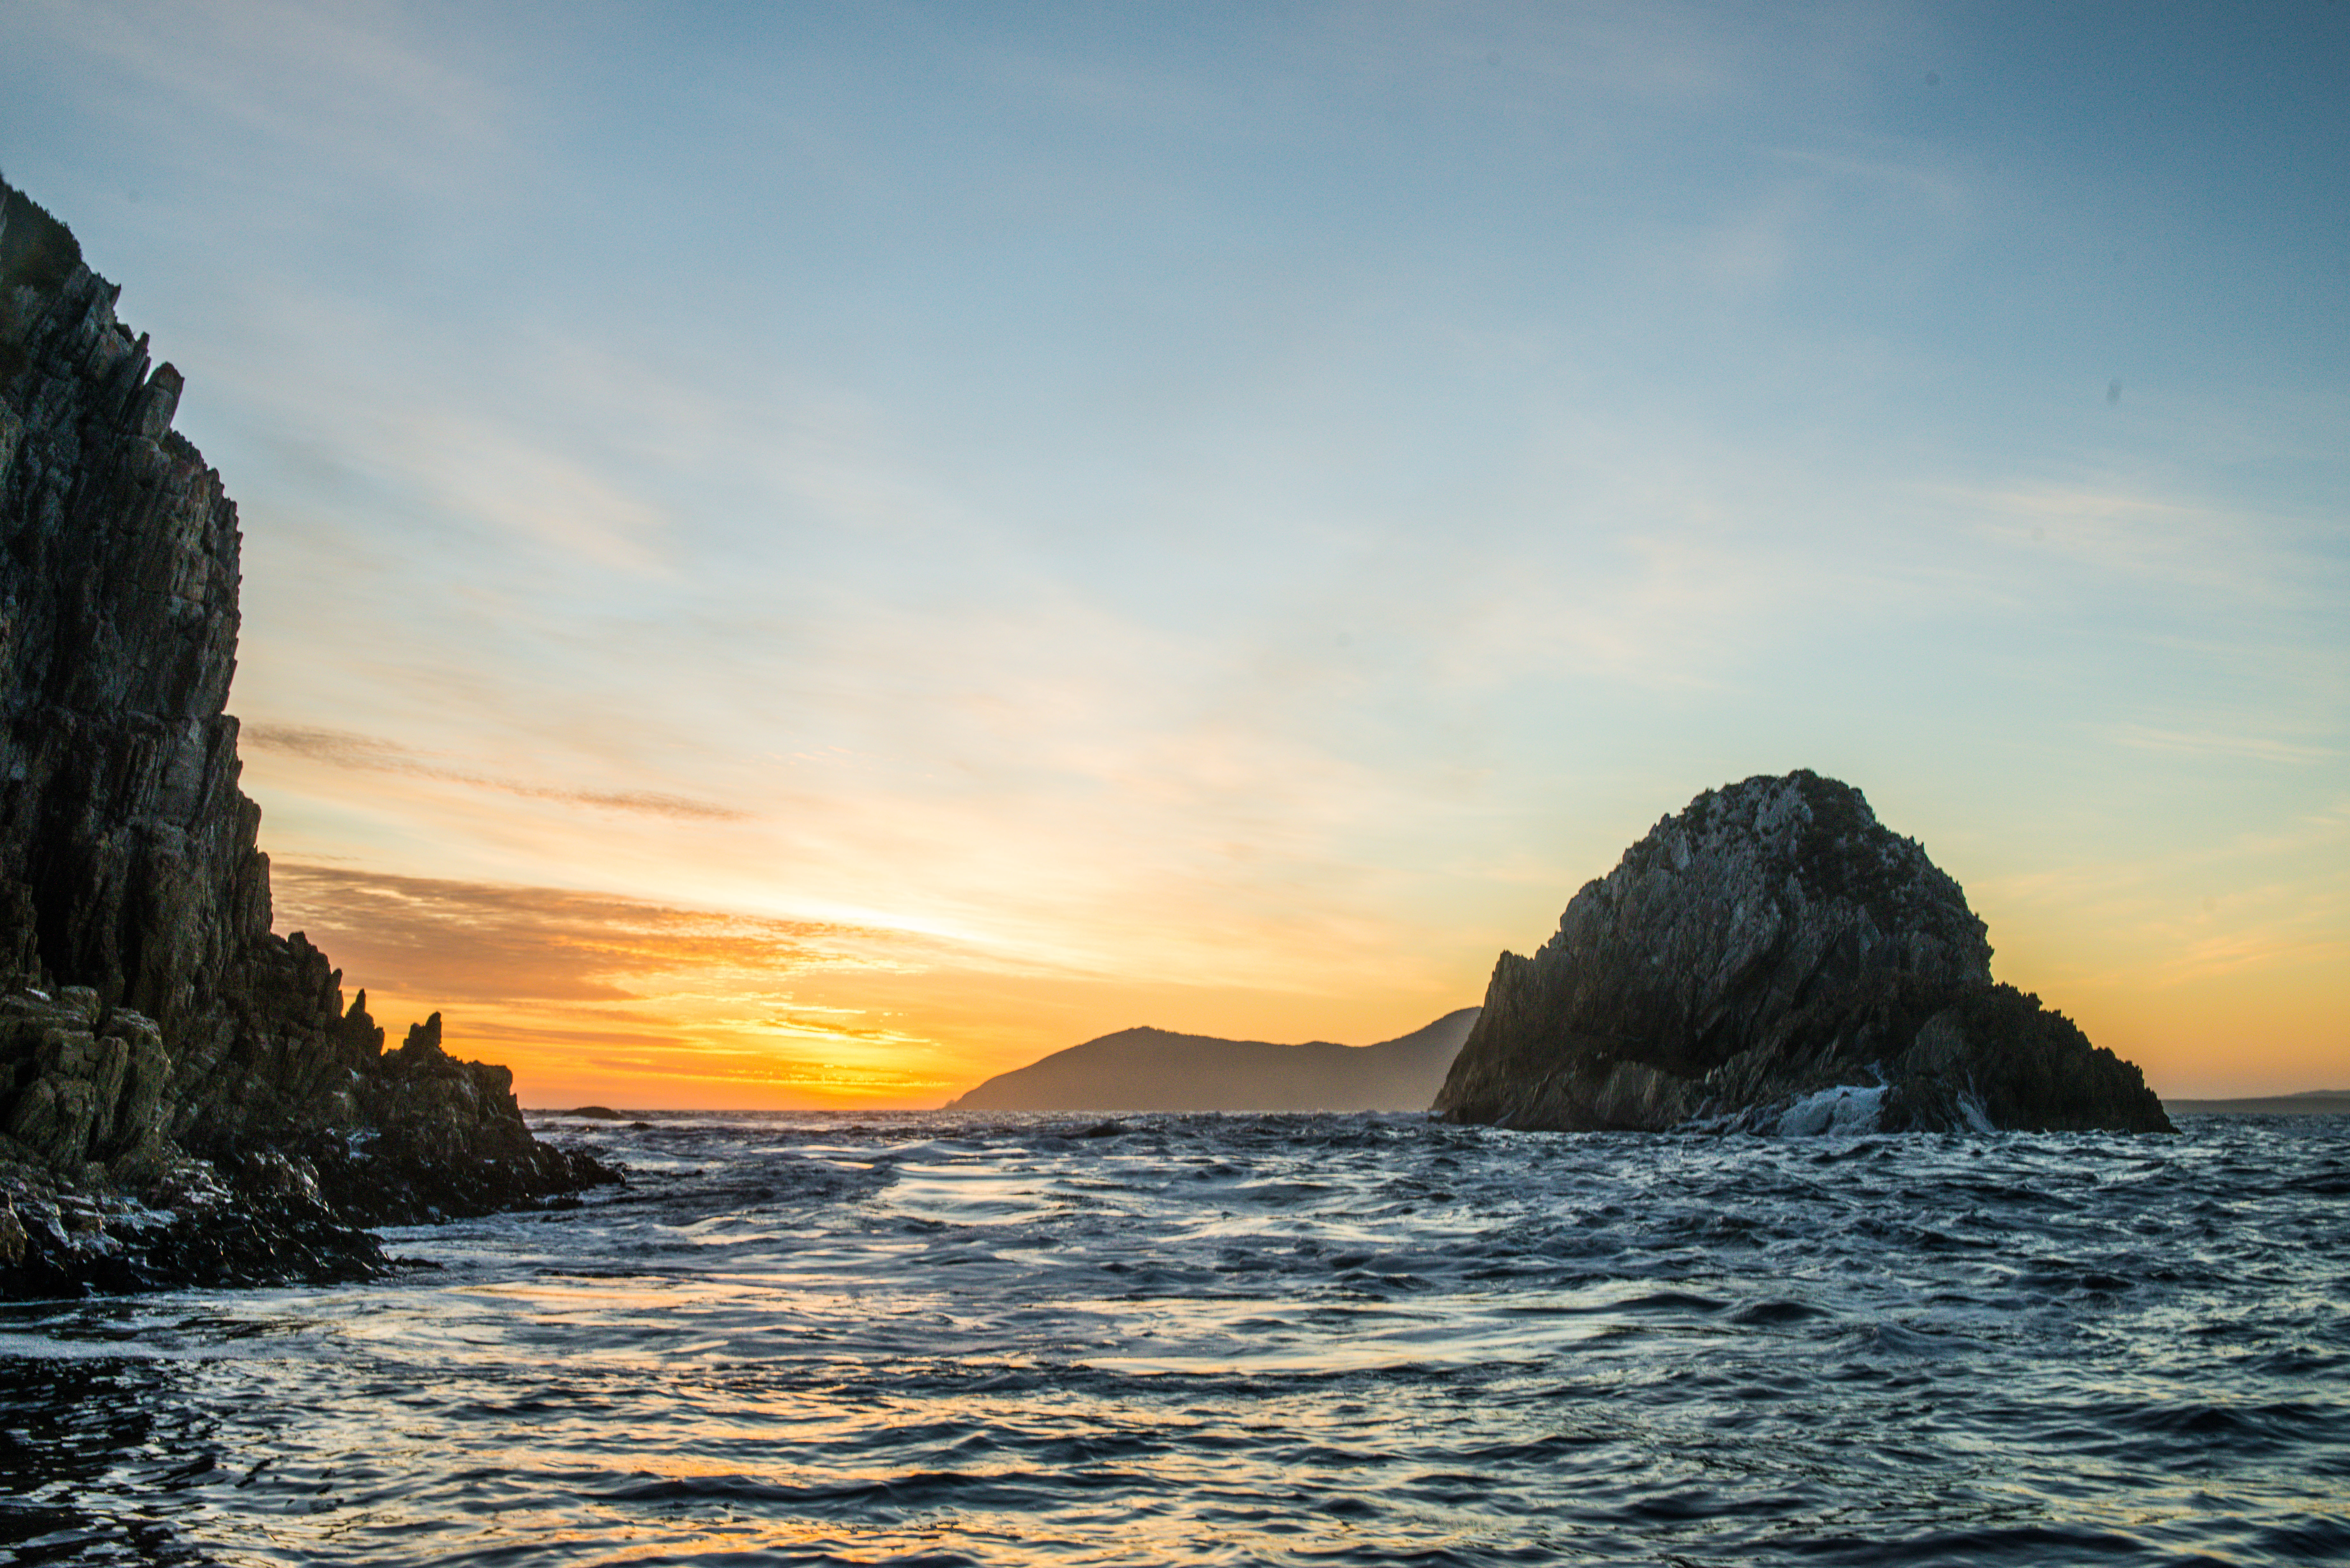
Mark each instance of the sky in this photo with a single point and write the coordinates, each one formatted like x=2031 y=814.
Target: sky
x=808 y=555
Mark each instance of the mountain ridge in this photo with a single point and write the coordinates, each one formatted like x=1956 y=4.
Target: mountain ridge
x=1146 y=1069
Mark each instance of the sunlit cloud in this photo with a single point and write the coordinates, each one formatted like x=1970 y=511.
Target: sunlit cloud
x=574 y=988
x=474 y=941
x=343 y=749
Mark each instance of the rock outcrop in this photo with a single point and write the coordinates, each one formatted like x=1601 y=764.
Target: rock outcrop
x=152 y=1022
x=1773 y=960
x=1156 y=1070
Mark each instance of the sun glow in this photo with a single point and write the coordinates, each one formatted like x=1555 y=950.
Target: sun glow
x=757 y=595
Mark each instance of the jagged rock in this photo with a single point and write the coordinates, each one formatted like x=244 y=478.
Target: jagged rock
x=12 y=1232
x=154 y=1017
x=1774 y=960
x=268 y=1225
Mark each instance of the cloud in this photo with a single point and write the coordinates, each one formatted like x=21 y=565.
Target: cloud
x=598 y=996
x=364 y=86
x=520 y=481
x=2210 y=550
x=485 y=941
x=364 y=754
x=2257 y=748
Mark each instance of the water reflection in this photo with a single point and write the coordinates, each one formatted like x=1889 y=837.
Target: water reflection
x=1252 y=1340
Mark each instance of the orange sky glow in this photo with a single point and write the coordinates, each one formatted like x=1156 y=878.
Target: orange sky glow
x=815 y=557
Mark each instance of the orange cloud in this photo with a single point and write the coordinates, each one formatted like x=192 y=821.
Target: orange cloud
x=595 y=990
x=597 y=997
x=474 y=940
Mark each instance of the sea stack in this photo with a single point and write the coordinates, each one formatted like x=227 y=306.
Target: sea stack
x=1774 y=960
x=184 y=1095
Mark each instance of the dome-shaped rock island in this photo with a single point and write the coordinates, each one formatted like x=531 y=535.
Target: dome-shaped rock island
x=1774 y=960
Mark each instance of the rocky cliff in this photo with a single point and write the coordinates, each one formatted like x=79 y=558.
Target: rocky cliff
x=1772 y=958
x=1156 y=1070
x=158 y=1041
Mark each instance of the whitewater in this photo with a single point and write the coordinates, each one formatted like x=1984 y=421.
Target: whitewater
x=979 y=1338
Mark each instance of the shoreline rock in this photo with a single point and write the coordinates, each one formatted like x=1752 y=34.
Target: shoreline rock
x=156 y=1037
x=1774 y=960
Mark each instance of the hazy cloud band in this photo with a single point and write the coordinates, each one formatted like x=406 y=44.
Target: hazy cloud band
x=343 y=749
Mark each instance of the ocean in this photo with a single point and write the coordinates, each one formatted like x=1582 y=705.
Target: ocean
x=947 y=1338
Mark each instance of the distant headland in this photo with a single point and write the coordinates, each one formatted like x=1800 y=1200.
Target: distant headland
x=2308 y=1103
x=1154 y=1070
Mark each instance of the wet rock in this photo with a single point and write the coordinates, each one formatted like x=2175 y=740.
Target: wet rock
x=1768 y=946
x=73 y=1242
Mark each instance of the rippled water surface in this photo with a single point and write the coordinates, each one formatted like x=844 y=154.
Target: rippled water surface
x=947 y=1339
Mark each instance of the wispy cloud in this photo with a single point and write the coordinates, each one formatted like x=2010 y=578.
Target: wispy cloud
x=576 y=988
x=518 y=481
x=2257 y=748
x=355 y=84
x=2122 y=530
x=424 y=936
x=364 y=754
x=1271 y=503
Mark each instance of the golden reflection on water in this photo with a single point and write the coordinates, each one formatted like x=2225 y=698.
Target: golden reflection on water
x=1246 y=1342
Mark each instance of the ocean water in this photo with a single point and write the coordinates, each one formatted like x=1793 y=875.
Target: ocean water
x=985 y=1339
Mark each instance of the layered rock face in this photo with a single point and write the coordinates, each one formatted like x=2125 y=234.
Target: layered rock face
x=1771 y=959
x=156 y=1018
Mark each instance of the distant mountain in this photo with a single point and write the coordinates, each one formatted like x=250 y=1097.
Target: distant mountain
x=2308 y=1103
x=1153 y=1070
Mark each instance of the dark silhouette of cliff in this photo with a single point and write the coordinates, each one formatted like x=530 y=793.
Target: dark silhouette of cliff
x=152 y=1021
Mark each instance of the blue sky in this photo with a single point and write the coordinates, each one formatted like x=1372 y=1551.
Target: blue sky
x=1225 y=518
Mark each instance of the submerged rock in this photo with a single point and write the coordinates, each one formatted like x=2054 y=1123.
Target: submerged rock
x=153 y=1025
x=1774 y=960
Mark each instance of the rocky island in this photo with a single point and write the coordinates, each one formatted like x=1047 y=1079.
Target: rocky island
x=184 y=1098
x=1774 y=960
x=1157 y=1070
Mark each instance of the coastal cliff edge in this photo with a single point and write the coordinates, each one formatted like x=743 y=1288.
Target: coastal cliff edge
x=184 y=1098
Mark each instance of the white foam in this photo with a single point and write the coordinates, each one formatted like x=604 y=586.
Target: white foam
x=1844 y=1111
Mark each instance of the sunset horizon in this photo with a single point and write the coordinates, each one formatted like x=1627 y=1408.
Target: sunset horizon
x=812 y=560
x=1319 y=784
